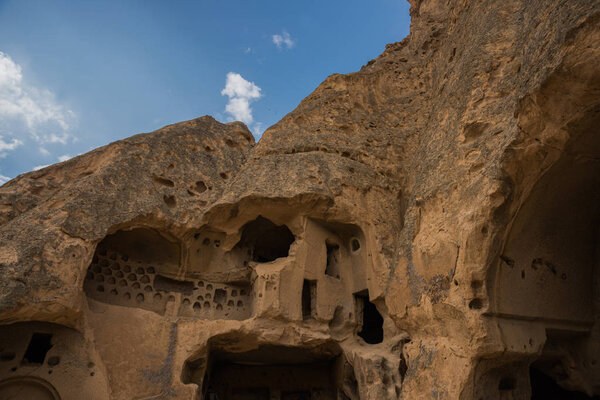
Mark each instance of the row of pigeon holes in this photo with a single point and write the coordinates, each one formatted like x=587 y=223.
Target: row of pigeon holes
x=225 y=299
x=113 y=279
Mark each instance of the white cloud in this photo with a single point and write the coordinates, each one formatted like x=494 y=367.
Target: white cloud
x=237 y=86
x=258 y=129
x=40 y=167
x=248 y=50
x=8 y=146
x=4 y=179
x=241 y=93
x=44 y=151
x=283 y=40
x=64 y=157
x=29 y=111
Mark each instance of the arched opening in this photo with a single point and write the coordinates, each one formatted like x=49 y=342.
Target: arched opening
x=29 y=388
x=135 y=268
x=45 y=361
x=265 y=240
x=141 y=268
x=548 y=271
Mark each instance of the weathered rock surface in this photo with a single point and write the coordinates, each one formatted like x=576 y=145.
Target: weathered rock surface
x=424 y=228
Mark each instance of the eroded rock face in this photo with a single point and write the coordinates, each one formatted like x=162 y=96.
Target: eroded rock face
x=425 y=228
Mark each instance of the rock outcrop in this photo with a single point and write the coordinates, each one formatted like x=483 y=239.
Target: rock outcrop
x=424 y=228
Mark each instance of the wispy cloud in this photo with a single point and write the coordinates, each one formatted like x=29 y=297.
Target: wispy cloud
x=28 y=111
x=283 y=39
x=64 y=157
x=30 y=116
x=8 y=146
x=241 y=93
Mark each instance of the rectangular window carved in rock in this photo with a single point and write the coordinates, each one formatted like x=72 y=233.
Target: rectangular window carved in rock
x=309 y=299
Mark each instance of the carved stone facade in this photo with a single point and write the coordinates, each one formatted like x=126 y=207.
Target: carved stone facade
x=425 y=228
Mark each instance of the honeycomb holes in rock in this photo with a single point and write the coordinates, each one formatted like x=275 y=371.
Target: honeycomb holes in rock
x=143 y=286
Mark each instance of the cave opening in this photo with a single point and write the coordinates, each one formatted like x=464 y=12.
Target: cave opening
x=543 y=387
x=265 y=240
x=39 y=345
x=333 y=259
x=548 y=270
x=309 y=299
x=369 y=319
x=272 y=372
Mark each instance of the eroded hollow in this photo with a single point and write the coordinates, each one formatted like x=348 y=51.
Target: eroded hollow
x=140 y=268
x=40 y=360
x=125 y=266
x=333 y=259
x=265 y=240
x=38 y=347
x=544 y=387
x=309 y=299
x=369 y=319
x=549 y=269
x=272 y=372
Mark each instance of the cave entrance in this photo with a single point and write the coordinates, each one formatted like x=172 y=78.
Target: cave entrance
x=544 y=387
x=37 y=349
x=369 y=319
x=266 y=241
x=548 y=271
x=273 y=372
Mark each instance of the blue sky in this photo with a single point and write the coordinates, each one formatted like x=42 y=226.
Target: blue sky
x=76 y=75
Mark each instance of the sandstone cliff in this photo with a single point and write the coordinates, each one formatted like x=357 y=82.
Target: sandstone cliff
x=424 y=228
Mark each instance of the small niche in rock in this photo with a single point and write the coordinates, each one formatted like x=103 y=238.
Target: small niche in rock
x=200 y=187
x=53 y=361
x=173 y=285
x=39 y=345
x=170 y=201
x=333 y=259
x=163 y=181
x=7 y=356
x=220 y=296
x=355 y=245
x=369 y=319
x=266 y=241
x=309 y=299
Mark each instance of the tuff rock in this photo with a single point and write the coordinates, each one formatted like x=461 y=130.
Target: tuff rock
x=424 y=228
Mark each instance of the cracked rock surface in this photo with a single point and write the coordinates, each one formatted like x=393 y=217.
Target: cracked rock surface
x=424 y=228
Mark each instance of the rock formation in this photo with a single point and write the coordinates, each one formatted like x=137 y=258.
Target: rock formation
x=424 y=228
